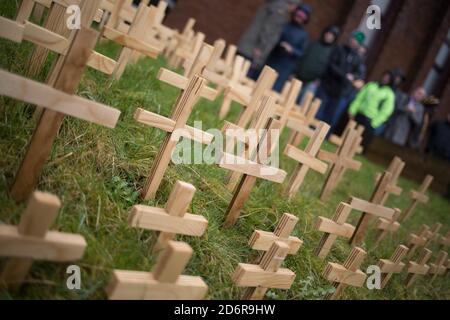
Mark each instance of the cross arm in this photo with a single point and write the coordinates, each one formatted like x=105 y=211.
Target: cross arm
x=306 y=159
x=416 y=268
x=245 y=166
x=33 y=92
x=142 y=285
x=263 y=240
x=419 y=196
x=168 y=125
x=345 y=230
x=387 y=225
x=153 y=218
x=371 y=208
x=337 y=273
x=249 y=275
x=54 y=246
x=182 y=82
x=388 y=266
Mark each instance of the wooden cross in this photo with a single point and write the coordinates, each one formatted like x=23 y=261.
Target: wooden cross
x=306 y=159
x=445 y=240
x=165 y=282
x=438 y=268
x=133 y=40
x=31 y=240
x=417 y=197
x=58 y=100
x=55 y=22
x=395 y=168
x=433 y=234
x=351 y=125
x=263 y=240
x=172 y=219
x=392 y=266
x=375 y=199
x=19 y=31
x=386 y=226
x=177 y=39
x=419 y=267
x=180 y=114
x=266 y=275
x=340 y=161
x=250 y=167
x=121 y=18
x=305 y=118
x=281 y=113
x=347 y=274
x=337 y=227
x=419 y=240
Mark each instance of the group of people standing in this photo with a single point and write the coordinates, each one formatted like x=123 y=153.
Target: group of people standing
x=333 y=71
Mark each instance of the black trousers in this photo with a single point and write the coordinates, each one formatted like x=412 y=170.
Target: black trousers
x=369 y=132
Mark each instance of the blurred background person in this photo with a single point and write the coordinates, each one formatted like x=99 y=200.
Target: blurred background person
x=264 y=33
x=439 y=140
x=344 y=68
x=405 y=126
x=291 y=46
x=373 y=106
x=314 y=63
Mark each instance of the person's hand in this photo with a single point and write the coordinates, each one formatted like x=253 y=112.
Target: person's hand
x=350 y=77
x=351 y=116
x=286 y=46
x=257 y=52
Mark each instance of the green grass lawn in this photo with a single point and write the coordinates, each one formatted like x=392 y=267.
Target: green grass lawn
x=98 y=172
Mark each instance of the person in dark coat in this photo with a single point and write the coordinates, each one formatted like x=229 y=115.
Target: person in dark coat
x=344 y=68
x=291 y=46
x=264 y=33
x=314 y=63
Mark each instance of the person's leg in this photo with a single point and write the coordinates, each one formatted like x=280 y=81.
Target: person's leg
x=324 y=98
x=368 y=132
x=338 y=111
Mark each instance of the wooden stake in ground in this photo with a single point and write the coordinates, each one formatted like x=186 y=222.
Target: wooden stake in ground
x=172 y=219
x=266 y=275
x=306 y=159
x=337 y=227
x=416 y=241
x=433 y=235
x=263 y=240
x=347 y=274
x=351 y=125
x=445 y=240
x=165 y=282
x=417 y=197
x=51 y=120
x=393 y=265
x=175 y=126
x=376 y=199
x=252 y=167
x=438 y=268
x=418 y=267
x=386 y=226
x=340 y=162
x=31 y=240
x=395 y=169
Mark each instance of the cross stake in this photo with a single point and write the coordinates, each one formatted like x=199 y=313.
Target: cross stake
x=62 y=92
x=417 y=197
x=419 y=267
x=386 y=226
x=347 y=274
x=445 y=240
x=306 y=159
x=31 y=240
x=172 y=219
x=395 y=169
x=393 y=265
x=267 y=274
x=376 y=199
x=165 y=282
x=180 y=114
x=438 y=268
x=419 y=240
x=340 y=162
x=263 y=240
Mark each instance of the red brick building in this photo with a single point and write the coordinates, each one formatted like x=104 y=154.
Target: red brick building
x=414 y=35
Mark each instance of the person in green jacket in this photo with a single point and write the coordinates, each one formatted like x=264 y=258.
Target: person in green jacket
x=373 y=106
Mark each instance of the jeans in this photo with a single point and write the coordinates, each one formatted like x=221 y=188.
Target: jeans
x=331 y=108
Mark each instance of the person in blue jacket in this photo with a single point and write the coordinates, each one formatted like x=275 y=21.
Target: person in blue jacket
x=291 y=46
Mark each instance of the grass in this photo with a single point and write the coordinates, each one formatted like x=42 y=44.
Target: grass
x=98 y=172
